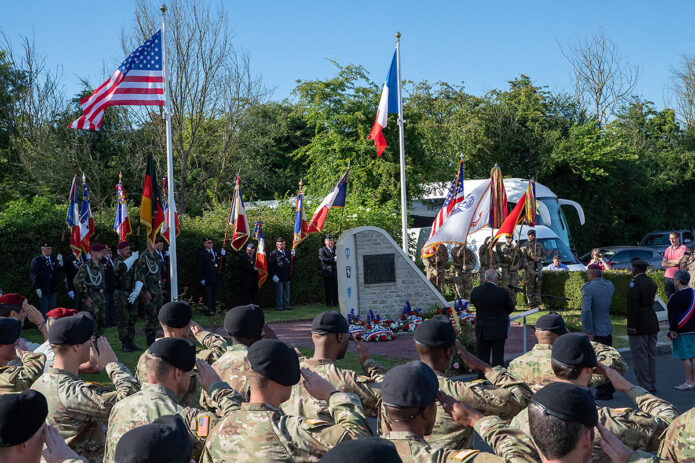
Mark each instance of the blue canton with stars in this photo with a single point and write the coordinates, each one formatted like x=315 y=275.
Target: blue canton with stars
x=147 y=57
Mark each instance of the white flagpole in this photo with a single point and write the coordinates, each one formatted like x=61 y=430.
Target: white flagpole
x=173 y=277
x=404 y=207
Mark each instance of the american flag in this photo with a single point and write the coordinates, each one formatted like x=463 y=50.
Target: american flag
x=139 y=80
x=453 y=198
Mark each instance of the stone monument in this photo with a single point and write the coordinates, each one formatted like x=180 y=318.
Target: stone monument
x=374 y=273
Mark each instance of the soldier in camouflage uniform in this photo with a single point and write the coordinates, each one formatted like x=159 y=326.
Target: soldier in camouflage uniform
x=329 y=333
x=169 y=364
x=500 y=395
x=90 y=282
x=434 y=267
x=574 y=357
x=127 y=313
x=148 y=285
x=487 y=259
x=21 y=377
x=533 y=367
x=246 y=325
x=410 y=393
x=260 y=431
x=509 y=263
x=79 y=410
x=176 y=321
x=464 y=263
x=533 y=254
x=678 y=442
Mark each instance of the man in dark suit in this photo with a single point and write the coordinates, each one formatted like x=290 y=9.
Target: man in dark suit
x=642 y=325
x=72 y=265
x=208 y=274
x=329 y=271
x=44 y=277
x=492 y=309
x=280 y=269
x=249 y=275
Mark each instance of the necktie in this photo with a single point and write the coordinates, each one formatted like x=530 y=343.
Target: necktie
x=50 y=264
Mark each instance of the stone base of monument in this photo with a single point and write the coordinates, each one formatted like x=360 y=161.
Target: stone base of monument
x=375 y=274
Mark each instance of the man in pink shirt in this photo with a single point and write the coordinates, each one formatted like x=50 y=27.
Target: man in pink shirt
x=671 y=261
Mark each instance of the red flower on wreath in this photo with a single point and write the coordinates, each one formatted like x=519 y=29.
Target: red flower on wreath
x=383 y=337
x=403 y=317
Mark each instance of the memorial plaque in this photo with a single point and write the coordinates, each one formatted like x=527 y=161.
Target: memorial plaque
x=379 y=268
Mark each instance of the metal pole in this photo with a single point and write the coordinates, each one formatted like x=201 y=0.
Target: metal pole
x=173 y=277
x=404 y=209
x=524 y=335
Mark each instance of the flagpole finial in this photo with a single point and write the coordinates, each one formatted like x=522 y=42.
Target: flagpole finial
x=120 y=177
x=300 y=184
x=398 y=35
x=163 y=8
x=84 y=179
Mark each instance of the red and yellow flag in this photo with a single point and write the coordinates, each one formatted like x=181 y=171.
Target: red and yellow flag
x=151 y=210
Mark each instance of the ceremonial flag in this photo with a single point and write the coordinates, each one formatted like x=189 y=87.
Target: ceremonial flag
x=498 y=211
x=72 y=219
x=86 y=220
x=238 y=219
x=523 y=212
x=469 y=216
x=453 y=198
x=335 y=199
x=151 y=211
x=387 y=105
x=261 y=263
x=300 y=226
x=139 y=80
x=165 y=226
x=122 y=223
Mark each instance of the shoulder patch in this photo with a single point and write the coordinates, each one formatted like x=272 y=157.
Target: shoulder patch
x=316 y=421
x=203 y=426
x=463 y=454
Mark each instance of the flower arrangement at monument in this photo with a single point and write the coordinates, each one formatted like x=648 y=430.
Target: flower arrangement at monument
x=373 y=329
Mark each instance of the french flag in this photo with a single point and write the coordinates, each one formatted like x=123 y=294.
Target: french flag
x=336 y=198
x=387 y=105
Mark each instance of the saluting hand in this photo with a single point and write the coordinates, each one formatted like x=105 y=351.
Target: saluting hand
x=56 y=450
x=470 y=360
x=362 y=351
x=105 y=353
x=318 y=387
x=616 y=450
x=462 y=413
x=207 y=376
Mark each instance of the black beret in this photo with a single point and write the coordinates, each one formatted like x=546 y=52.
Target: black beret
x=244 y=321
x=436 y=333
x=274 y=360
x=10 y=329
x=178 y=352
x=71 y=330
x=159 y=239
x=411 y=385
x=250 y=245
x=531 y=232
x=639 y=263
x=165 y=440
x=368 y=450
x=552 y=322
x=176 y=314
x=21 y=415
x=328 y=237
x=329 y=322
x=574 y=350
x=567 y=402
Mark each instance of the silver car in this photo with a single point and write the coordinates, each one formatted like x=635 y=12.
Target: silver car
x=659 y=240
x=620 y=257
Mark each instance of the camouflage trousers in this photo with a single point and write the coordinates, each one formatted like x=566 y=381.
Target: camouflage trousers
x=127 y=316
x=507 y=278
x=437 y=278
x=151 y=310
x=98 y=309
x=533 y=281
x=463 y=284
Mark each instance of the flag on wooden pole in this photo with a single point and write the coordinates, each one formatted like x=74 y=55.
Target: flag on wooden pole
x=151 y=210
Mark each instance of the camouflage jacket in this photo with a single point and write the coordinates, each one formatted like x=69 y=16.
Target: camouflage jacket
x=261 y=432
x=678 y=442
x=215 y=346
x=501 y=395
x=148 y=272
x=509 y=445
x=80 y=410
x=366 y=387
x=154 y=401
x=638 y=429
x=90 y=279
x=529 y=251
x=484 y=257
x=509 y=257
x=463 y=259
x=19 y=378
x=534 y=369
x=124 y=277
x=232 y=368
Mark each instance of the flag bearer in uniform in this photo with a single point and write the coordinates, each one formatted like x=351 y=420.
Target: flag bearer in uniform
x=90 y=282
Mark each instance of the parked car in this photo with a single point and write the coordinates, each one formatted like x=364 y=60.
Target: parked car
x=620 y=257
x=659 y=239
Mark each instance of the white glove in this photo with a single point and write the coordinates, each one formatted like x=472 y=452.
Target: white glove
x=88 y=256
x=166 y=253
x=59 y=258
x=136 y=254
x=223 y=252
x=276 y=279
x=136 y=292
x=39 y=293
x=130 y=261
x=335 y=259
x=202 y=282
x=71 y=294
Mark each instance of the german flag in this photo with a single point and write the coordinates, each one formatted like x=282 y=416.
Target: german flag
x=151 y=210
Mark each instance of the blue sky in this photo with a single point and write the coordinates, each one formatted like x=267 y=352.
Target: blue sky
x=483 y=44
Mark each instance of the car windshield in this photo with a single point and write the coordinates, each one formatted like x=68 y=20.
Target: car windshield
x=656 y=240
x=555 y=246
